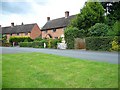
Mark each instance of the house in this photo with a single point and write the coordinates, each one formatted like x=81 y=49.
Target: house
x=31 y=30
x=55 y=28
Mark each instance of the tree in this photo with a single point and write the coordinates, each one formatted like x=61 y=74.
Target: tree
x=70 y=34
x=112 y=10
x=99 y=29
x=92 y=13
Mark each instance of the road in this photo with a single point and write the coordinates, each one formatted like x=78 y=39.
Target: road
x=111 y=57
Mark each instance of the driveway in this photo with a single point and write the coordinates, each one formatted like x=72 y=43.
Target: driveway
x=82 y=54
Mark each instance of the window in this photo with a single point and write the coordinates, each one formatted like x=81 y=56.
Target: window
x=45 y=31
x=17 y=33
x=56 y=37
x=26 y=33
x=11 y=34
x=54 y=30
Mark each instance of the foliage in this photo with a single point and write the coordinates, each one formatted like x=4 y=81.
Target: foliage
x=113 y=9
x=115 y=44
x=26 y=44
x=91 y=13
x=6 y=44
x=18 y=39
x=70 y=34
x=38 y=39
x=50 y=43
x=99 y=29
x=115 y=31
x=99 y=43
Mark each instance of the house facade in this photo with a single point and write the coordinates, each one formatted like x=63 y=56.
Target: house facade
x=55 y=28
x=29 y=30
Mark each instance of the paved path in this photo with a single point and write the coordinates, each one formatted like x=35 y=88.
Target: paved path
x=82 y=54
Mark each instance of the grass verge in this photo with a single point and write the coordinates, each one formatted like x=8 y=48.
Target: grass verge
x=38 y=70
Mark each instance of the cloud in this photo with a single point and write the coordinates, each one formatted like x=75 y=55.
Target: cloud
x=37 y=11
x=16 y=7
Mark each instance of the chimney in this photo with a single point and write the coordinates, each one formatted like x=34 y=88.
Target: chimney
x=22 y=23
x=66 y=14
x=12 y=24
x=48 y=18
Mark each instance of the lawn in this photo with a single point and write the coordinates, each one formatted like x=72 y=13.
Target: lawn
x=38 y=70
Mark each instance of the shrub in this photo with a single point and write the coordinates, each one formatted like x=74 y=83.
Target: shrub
x=38 y=44
x=18 y=39
x=115 y=31
x=38 y=39
x=99 y=29
x=70 y=34
x=26 y=44
x=6 y=44
x=115 y=44
x=99 y=43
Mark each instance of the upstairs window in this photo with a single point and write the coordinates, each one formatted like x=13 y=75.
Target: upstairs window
x=17 y=33
x=26 y=33
x=54 y=30
x=45 y=31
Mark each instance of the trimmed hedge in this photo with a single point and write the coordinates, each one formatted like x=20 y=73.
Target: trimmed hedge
x=99 y=43
x=50 y=43
x=18 y=39
x=26 y=44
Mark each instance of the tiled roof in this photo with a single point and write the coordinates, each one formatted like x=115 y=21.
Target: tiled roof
x=57 y=23
x=17 y=29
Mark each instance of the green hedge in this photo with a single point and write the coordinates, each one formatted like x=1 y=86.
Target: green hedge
x=18 y=39
x=26 y=44
x=50 y=43
x=99 y=43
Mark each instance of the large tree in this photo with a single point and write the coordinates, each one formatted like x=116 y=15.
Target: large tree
x=112 y=9
x=92 y=12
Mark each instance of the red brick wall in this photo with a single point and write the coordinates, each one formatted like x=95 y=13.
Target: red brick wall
x=36 y=32
x=58 y=33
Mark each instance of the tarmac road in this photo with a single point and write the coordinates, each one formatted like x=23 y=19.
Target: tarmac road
x=111 y=57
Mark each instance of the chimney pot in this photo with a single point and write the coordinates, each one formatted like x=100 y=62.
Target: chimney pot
x=66 y=14
x=48 y=18
x=22 y=23
x=12 y=24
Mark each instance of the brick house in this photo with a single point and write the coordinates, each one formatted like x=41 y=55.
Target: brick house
x=31 y=30
x=55 y=28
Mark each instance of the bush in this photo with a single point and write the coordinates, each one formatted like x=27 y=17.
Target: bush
x=38 y=39
x=6 y=44
x=26 y=44
x=38 y=44
x=115 y=31
x=99 y=43
x=99 y=29
x=115 y=44
x=70 y=34
x=18 y=39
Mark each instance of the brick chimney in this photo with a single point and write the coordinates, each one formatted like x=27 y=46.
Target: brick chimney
x=22 y=23
x=12 y=24
x=48 y=18
x=66 y=14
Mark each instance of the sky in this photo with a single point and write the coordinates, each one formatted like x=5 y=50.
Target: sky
x=36 y=11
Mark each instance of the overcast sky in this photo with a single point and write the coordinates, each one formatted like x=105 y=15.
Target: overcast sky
x=36 y=11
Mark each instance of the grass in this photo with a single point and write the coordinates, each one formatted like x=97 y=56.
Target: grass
x=38 y=70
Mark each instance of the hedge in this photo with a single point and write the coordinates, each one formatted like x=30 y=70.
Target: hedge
x=50 y=43
x=26 y=44
x=18 y=39
x=99 y=43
